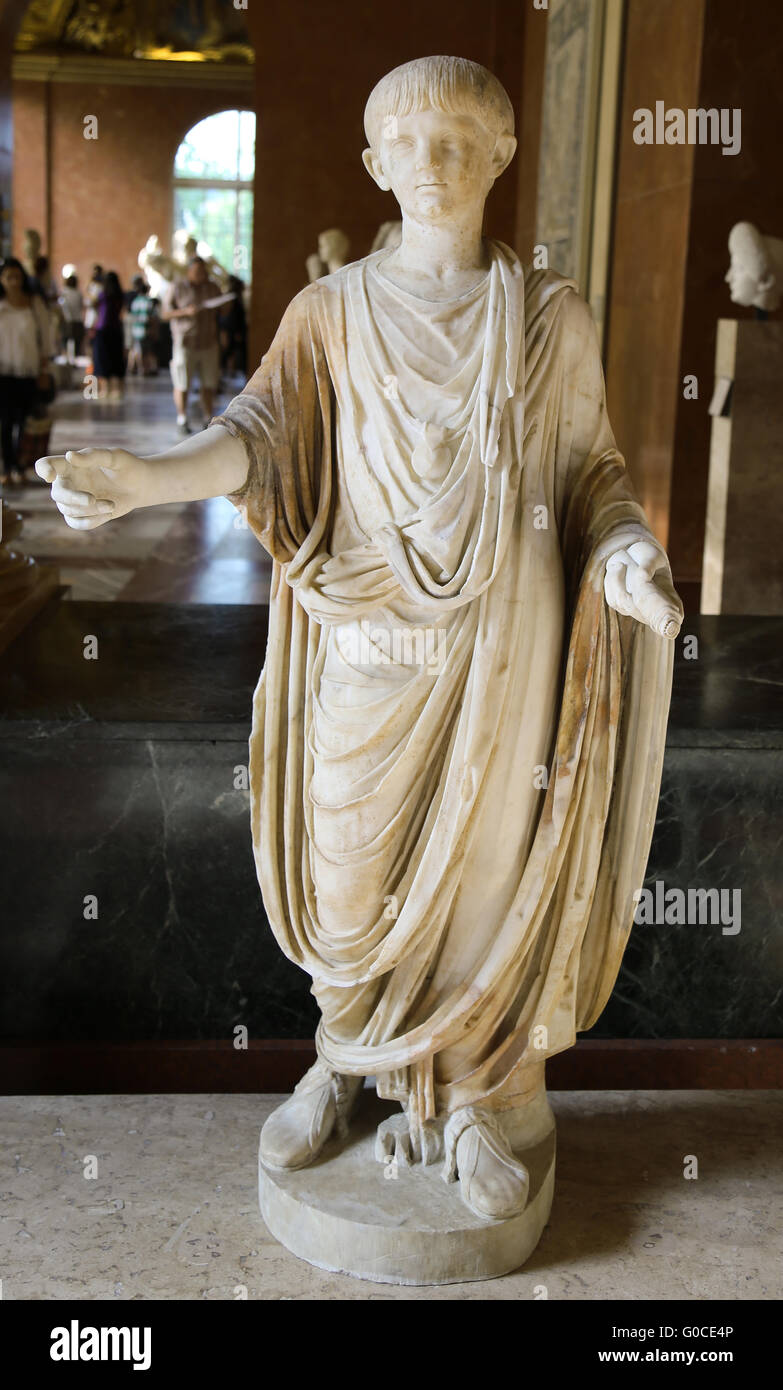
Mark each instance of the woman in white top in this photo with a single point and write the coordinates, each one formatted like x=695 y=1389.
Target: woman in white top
x=25 y=353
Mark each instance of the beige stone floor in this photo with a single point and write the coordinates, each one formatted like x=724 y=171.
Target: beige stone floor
x=173 y=1214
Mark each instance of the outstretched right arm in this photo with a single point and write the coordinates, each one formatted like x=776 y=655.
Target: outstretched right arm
x=271 y=453
x=92 y=486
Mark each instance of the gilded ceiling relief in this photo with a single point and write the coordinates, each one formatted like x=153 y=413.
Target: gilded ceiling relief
x=212 y=31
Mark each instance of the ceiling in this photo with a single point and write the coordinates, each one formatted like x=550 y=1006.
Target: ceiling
x=211 y=31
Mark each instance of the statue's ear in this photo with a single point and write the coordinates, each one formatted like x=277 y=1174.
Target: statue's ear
x=374 y=168
x=505 y=149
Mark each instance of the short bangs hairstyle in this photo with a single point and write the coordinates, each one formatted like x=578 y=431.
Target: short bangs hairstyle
x=455 y=86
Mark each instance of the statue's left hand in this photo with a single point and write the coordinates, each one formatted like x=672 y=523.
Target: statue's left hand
x=638 y=585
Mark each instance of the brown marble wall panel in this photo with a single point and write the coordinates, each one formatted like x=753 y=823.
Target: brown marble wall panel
x=315 y=68
x=643 y=349
x=661 y=62
x=527 y=157
x=742 y=67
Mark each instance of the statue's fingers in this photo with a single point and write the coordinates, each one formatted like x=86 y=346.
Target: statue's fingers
x=633 y=575
x=617 y=595
x=618 y=560
x=69 y=496
x=648 y=557
x=84 y=523
x=102 y=508
x=105 y=459
x=46 y=468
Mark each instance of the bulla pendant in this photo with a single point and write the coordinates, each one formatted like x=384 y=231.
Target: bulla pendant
x=431 y=457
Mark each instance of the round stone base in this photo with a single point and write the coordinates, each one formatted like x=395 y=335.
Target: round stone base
x=350 y=1214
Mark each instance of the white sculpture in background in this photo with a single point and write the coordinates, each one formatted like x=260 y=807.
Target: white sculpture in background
x=388 y=236
x=332 y=254
x=31 y=250
x=755 y=276
x=161 y=269
x=186 y=246
x=158 y=268
x=449 y=847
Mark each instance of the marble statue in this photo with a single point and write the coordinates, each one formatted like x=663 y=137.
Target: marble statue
x=185 y=246
x=160 y=269
x=755 y=276
x=332 y=254
x=31 y=250
x=388 y=236
x=458 y=733
x=315 y=267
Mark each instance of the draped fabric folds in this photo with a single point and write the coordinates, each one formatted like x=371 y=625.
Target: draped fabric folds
x=456 y=746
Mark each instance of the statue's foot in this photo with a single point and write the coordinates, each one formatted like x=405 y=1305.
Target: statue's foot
x=493 y=1182
x=295 y=1133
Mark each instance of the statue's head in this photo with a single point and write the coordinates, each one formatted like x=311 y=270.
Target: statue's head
x=32 y=243
x=333 y=245
x=752 y=277
x=197 y=271
x=440 y=131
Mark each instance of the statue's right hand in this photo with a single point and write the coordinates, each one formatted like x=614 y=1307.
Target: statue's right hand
x=91 y=486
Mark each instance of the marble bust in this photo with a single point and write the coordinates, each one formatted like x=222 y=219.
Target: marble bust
x=458 y=733
x=755 y=275
x=332 y=254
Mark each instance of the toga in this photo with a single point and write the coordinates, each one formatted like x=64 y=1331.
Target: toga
x=456 y=744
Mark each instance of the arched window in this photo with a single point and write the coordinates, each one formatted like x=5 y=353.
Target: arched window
x=213 y=187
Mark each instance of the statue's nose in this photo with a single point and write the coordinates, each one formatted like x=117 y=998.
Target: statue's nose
x=428 y=159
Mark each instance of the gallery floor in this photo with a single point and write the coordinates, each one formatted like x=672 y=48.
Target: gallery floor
x=172 y=1212
x=183 y=553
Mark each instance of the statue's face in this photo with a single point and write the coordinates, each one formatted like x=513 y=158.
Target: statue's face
x=437 y=164
x=742 y=283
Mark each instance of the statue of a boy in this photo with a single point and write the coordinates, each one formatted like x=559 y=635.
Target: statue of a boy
x=456 y=746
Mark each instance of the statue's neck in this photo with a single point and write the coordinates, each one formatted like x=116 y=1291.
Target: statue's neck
x=438 y=262
x=444 y=249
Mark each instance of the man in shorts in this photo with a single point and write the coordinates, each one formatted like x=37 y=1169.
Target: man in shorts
x=194 y=334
